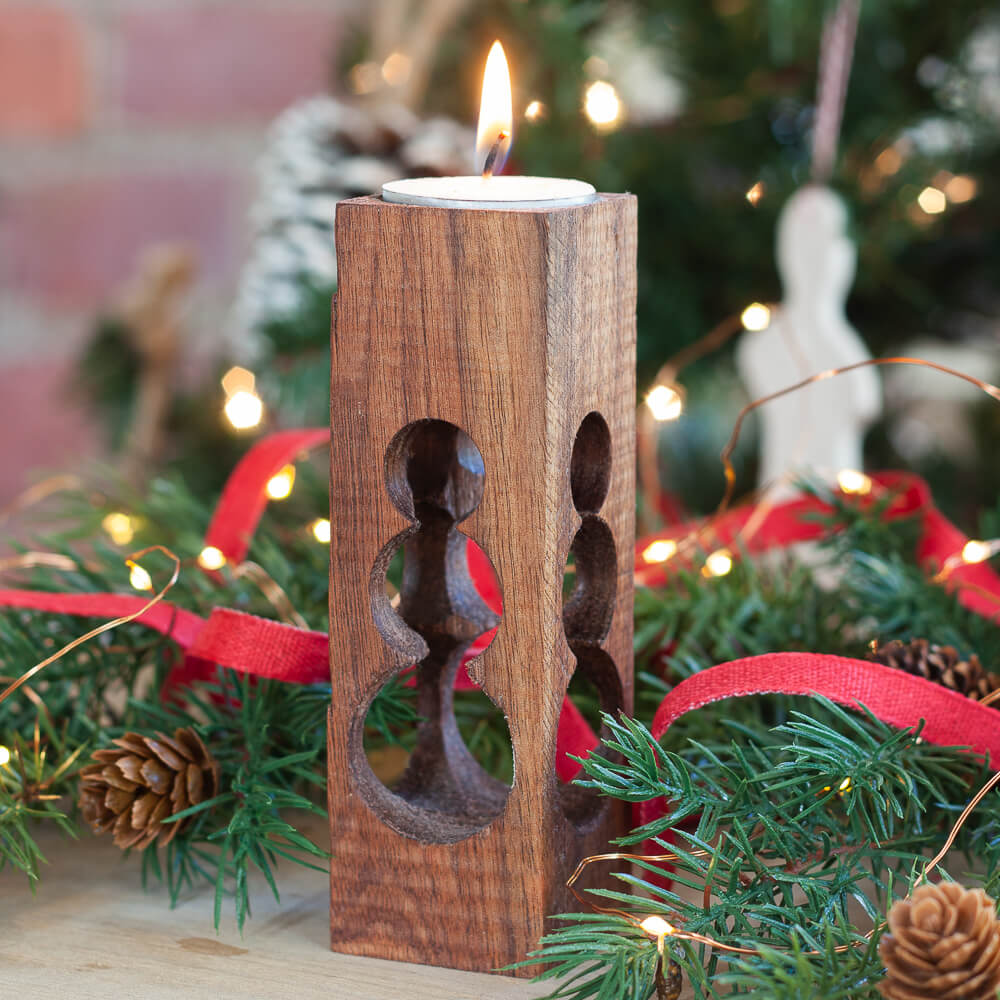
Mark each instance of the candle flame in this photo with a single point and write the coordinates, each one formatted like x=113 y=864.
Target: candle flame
x=496 y=114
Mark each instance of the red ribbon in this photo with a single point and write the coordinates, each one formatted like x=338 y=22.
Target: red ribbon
x=265 y=648
x=244 y=497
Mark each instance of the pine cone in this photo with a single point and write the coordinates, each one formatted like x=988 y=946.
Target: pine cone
x=941 y=664
x=942 y=942
x=142 y=780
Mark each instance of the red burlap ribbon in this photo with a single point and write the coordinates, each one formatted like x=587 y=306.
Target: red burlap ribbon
x=264 y=648
x=896 y=698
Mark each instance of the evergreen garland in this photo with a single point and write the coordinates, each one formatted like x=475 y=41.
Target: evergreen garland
x=760 y=779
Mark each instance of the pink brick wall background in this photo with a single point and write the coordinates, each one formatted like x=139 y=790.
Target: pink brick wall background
x=124 y=123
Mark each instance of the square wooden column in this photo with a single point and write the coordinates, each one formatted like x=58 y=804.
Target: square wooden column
x=483 y=387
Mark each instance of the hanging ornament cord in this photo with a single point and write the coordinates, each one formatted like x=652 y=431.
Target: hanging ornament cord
x=835 y=58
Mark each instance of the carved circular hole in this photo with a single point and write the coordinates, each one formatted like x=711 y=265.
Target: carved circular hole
x=434 y=468
x=590 y=464
x=440 y=762
x=427 y=783
x=595 y=687
x=590 y=604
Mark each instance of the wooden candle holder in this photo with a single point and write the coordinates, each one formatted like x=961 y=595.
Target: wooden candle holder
x=483 y=387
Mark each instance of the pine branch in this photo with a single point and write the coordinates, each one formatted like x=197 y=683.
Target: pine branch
x=829 y=808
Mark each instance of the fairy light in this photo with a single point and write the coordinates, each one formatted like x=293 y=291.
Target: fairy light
x=844 y=786
x=244 y=409
x=719 y=563
x=602 y=105
x=665 y=403
x=660 y=551
x=279 y=486
x=211 y=558
x=534 y=111
x=854 y=482
x=4 y=755
x=976 y=551
x=657 y=927
x=756 y=316
x=118 y=527
x=961 y=188
x=932 y=200
x=138 y=577
x=396 y=68
x=320 y=529
x=755 y=193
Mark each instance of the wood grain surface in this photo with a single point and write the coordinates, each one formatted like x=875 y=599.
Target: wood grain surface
x=483 y=387
x=92 y=933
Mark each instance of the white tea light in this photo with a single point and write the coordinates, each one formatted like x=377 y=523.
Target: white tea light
x=489 y=192
x=493 y=141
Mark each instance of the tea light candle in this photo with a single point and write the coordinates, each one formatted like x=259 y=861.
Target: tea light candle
x=493 y=141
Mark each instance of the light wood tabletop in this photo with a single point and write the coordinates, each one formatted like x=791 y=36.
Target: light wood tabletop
x=92 y=931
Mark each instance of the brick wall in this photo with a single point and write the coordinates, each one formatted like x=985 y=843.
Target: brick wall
x=125 y=122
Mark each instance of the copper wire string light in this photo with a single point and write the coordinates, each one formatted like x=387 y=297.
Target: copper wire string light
x=273 y=591
x=695 y=538
x=107 y=626
x=668 y=929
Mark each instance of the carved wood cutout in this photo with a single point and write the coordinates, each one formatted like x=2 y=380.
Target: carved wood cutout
x=434 y=475
x=483 y=375
x=590 y=607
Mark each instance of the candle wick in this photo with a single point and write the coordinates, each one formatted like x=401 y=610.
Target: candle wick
x=494 y=153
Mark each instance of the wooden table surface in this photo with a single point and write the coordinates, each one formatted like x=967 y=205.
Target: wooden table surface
x=91 y=931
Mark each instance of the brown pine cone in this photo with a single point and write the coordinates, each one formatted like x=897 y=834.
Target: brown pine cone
x=141 y=780
x=941 y=664
x=942 y=942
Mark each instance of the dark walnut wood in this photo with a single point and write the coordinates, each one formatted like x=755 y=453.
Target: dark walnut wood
x=483 y=388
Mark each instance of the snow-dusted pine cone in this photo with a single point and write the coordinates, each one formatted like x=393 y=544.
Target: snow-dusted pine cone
x=141 y=780
x=941 y=664
x=320 y=151
x=942 y=942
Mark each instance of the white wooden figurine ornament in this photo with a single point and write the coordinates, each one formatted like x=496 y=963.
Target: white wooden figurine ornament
x=818 y=430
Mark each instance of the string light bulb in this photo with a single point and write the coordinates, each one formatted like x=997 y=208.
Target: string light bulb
x=665 y=403
x=244 y=410
x=660 y=551
x=756 y=316
x=138 y=577
x=534 y=111
x=602 y=105
x=279 y=486
x=719 y=563
x=853 y=482
x=757 y=192
x=932 y=200
x=118 y=527
x=657 y=927
x=396 y=68
x=211 y=558
x=321 y=530
x=976 y=551
x=961 y=188
x=4 y=755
